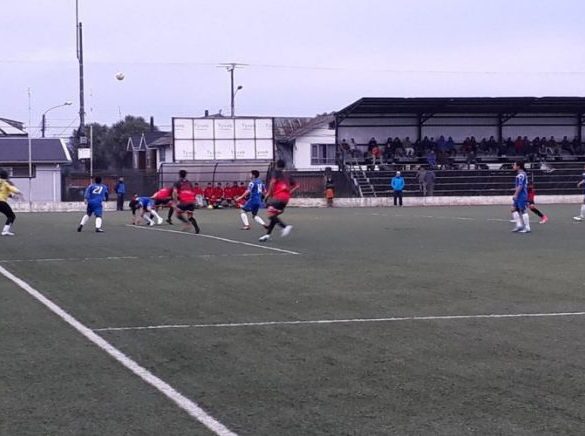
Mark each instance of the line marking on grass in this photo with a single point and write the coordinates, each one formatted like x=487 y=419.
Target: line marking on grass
x=80 y=259
x=179 y=399
x=344 y=321
x=86 y=259
x=231 y=241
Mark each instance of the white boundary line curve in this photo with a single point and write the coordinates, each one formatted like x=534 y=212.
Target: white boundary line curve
x=231 y=241
x=344 y=321
x=179 y=399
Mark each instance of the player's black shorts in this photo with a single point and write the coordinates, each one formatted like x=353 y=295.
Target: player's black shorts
x=186 y=207
x=164 y=202
x=530 y=202
x=276 y=206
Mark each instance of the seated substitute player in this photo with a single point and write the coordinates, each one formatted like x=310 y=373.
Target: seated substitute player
x=279 y=191
x=254 y=193
x=531 y=205
x=164 y=198
x=520 y=199
x=7 y=190
x=184 y=197
x=581 y=215
x=146 y=205
x=95 y=194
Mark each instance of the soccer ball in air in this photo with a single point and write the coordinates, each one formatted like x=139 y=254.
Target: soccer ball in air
x=120 y=76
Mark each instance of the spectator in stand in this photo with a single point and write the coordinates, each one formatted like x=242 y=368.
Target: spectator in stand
x=450 y=147
x=398 y=150
x=492 y=146
x=554 y=147
x=344 y=149
x=397 y=184
x=441 y=145
x=519 y=146
x=577 y=146
x=426 y=144
x=429 y=181
x=386 y=149
x=374 y=152
x=432 y=159
x=509 y=146
x=420 y=178
x=483 y=147
x=408 y=148
x=567 y=146
x=353 y=149
x=419 y=148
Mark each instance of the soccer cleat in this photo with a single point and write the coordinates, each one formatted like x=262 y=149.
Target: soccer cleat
x=79 y=228
x=286 y=231
x=151 y=223
x=170 y=221
x=543 y=220
x=264 y=238
x=159 y=221
x=7 y=233
x=524 y=230
x=578 y=218
x=518 y=229
x=100 y=230
x=245 y=228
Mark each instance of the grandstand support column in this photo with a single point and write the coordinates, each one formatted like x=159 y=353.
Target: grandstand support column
x=580 y=122
x=500 y=129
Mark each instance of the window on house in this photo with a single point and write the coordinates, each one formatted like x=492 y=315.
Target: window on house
x=323 y=154
x=20 y=171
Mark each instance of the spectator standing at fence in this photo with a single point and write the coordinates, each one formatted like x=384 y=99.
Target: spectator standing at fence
x=374 y=151
x=120 y=190
x=329 y=191
x=420 y=178
x=397 y=184
x=432 y=159
x=408 y=148
x=429 y=182
x=353 y=149
x=581 y=215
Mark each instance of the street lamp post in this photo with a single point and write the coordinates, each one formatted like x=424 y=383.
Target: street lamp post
x=44 y=120
x=231 y=67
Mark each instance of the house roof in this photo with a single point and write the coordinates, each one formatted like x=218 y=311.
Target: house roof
x=467 y=105
x=287 y=129
x=44 y=150
x=149 y=140
x=10 y=127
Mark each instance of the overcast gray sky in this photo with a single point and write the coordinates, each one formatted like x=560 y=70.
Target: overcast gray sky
x=305 y=56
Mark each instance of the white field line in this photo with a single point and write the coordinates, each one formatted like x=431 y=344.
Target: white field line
x=180 y=400
x=439 y=217
x=86 y=259
x=346 y=321
x=231 y=241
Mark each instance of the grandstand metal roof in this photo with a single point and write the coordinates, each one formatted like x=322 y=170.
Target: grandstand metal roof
x=44 y=150
x=10 y=128
x=464 y=105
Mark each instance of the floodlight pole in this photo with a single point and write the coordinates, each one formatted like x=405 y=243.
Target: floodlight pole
x=233 y=95
x=90 y=152
x=79 y=47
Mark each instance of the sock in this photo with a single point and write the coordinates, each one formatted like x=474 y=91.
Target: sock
x=537 y=212
x=244 y=217
x=156 y=215
x=583 y=211
x=6 y=228
x=273 y=221
x=171 y=210
x=84 y=220
x=280 y=223
x=148 y=220
x=182 y=218
x=194 y=222
x=526 y=219
x=98 y=223
x=259 y=220
x=516 y=217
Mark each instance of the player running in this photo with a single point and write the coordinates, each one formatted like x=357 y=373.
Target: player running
x=581 y=215
x=184 y=197
x=520 y=199
x=279 y=191
x=7 y=190
x=254 y=193
x=146 y=205
x=95 y=195
x=532 y=207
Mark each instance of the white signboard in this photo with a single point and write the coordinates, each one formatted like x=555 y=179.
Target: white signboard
x=202 y=129
x=263 y=148
x=84 y=153
x=245 y=128
x=184 y=149
x=224 y=149
x=224 y=129
x=245 y=149
x=204 y=149
x=183 y=128
x=264 y=128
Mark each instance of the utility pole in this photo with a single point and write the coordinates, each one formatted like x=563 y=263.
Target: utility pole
x=79 y=39
x=230 y=67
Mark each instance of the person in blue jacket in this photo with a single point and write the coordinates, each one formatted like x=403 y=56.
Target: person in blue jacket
x=397 y=184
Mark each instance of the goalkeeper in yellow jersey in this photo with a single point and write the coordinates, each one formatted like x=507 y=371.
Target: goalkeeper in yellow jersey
x=7 y=189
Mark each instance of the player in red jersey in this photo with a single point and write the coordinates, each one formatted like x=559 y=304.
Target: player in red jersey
x=532 y=207
x=208 y=194
x=279 y=191
x=199 y=196
x=184 y=197
x=164 y=198
x=218 y=195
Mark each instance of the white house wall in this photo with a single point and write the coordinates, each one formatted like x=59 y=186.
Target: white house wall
x=302 y=148
x=45 y=186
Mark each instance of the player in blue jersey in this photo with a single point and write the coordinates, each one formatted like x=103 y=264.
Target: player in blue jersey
x=146 y=206
x=254 y=194
x=95 y=195
x=520 y=199
x=581 y=215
